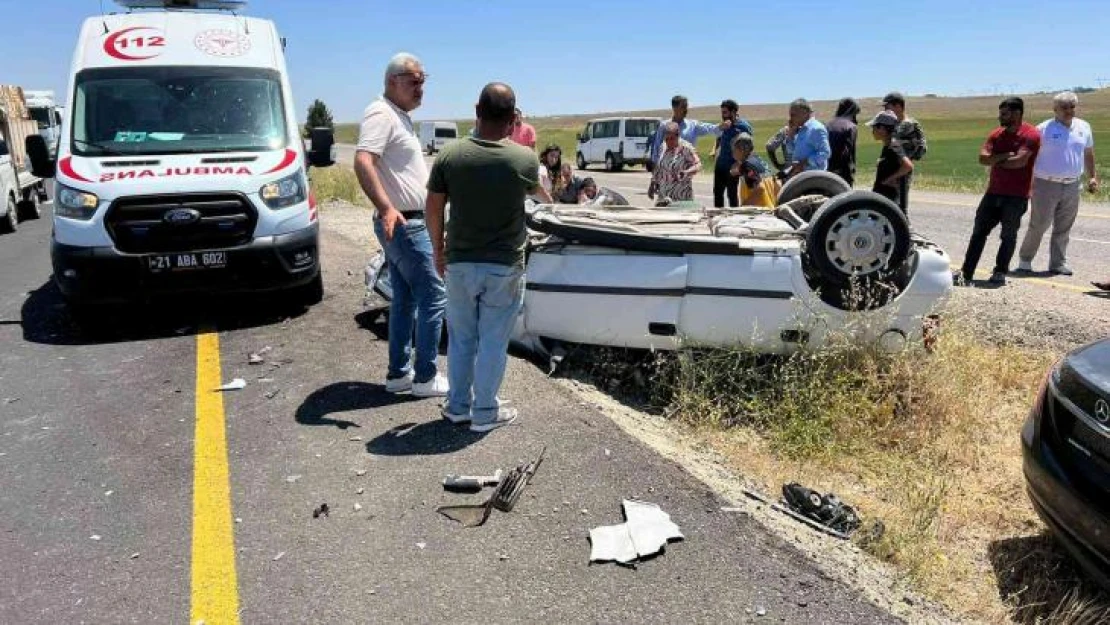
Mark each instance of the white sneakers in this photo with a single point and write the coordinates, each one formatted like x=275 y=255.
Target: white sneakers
x=436 y=387
x=505 y=416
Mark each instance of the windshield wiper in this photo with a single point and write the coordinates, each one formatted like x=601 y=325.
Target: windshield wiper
x=106 y=150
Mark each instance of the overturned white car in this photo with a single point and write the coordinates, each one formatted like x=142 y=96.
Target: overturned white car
x=661 y=278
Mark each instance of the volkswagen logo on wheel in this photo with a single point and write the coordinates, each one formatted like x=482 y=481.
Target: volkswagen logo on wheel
x=181 y=217
x=1102 y=411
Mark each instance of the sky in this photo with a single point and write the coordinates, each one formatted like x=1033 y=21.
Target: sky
x=579 y=56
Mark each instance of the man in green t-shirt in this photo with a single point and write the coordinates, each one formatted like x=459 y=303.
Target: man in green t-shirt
x=486 y=179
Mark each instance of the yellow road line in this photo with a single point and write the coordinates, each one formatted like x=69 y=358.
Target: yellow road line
x=215 y=591
x=1050 y=283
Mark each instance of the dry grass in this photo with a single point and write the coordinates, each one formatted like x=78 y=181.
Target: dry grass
x=926 y=442
x=336 y=183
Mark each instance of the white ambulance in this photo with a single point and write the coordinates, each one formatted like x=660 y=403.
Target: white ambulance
x=180 y=166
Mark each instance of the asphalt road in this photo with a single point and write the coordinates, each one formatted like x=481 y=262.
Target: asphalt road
x=945 y=218
x=117 y=493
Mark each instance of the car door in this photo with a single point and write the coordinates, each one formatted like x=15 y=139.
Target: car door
x=611 y=141
x=7 y=173
x=584 y=141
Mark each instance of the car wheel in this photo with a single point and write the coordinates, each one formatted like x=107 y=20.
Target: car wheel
x=581 y=161
x=812 y=183
x=610 y=162
x=857 y=238
x=30 y=208
x=10 y=222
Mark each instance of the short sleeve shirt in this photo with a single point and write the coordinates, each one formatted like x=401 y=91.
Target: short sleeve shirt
x=1062 y=148
x=524 y=134
x=387 y=132
x=1012 y=182
x=486 y=183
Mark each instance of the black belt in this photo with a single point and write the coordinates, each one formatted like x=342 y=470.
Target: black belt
x=412 y=214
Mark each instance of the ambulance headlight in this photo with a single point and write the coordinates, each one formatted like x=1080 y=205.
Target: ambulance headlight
x=285 y=192
x=75 y=204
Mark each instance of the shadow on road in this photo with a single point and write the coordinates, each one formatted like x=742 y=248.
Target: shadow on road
x=345 y=397
x=47 y=319
x=1099 y=294
x=423 y=439
x=1042 y=585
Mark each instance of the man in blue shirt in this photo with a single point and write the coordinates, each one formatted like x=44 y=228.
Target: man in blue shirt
x=811 y=143
x=722 y=171
x=689 y=129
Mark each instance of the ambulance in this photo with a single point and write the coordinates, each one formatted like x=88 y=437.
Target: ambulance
x=180 y=166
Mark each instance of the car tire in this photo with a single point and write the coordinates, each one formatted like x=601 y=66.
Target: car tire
x=10 y=222
x=858 y=238
x=30 y=208
x=610 y=162
x=581 y=161
x=812 y=183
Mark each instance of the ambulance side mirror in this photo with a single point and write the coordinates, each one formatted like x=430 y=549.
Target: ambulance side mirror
x=42 y=166
x=322 y=150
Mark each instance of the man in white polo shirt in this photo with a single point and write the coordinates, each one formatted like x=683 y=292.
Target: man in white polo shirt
x=389 y=163
x=1067 y=148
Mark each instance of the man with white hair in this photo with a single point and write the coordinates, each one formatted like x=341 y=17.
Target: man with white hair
x=811 y=141
x=1067 y=148
x=389 y=163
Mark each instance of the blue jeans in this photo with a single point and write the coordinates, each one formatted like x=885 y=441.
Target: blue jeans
x=483 y=301
x=419 y=299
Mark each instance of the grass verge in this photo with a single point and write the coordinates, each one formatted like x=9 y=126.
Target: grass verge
x=928 y=443
x=336 y=183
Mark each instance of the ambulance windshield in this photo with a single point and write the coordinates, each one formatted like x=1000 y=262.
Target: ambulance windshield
x=177 y=110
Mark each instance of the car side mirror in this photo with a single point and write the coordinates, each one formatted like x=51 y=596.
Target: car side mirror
x=42 y=166
x=322 y=152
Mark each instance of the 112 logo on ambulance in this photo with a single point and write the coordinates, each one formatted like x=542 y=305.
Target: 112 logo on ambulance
x=137 y=43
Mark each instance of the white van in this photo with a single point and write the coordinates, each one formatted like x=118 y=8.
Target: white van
x=435 y=135
x=44 y=110
x=180 y=166
x=616 y=141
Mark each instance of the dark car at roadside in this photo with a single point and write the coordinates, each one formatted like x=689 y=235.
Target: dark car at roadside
x=1066 y=452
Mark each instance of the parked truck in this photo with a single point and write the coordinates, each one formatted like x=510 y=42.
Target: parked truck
x=21 y=193
x=43 y=108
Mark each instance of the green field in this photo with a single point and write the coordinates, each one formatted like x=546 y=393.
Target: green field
x=951 y=164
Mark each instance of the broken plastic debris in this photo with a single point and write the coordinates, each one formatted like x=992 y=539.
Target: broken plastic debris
x=360 y=491
x=421 y=545
x=292 y=478
x=255 y=359
x=321 y=511
x=646 y=530
x=279 y=556
x=355 y=438
x=94 y=537
x=272 y=394
x=135 y=555
x=360 y=472
x=358 y=506
x=237 y=384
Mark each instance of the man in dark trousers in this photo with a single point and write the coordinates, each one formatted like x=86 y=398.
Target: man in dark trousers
x=1010 y=152
x=723 y=180
x=912 y=138
x=842 y=140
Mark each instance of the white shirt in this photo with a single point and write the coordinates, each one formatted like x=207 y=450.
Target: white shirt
x=1062 y=148
x=387 y=131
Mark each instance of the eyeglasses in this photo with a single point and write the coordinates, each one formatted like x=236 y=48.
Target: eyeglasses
x=416 y=78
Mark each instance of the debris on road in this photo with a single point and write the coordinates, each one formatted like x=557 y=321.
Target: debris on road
x=135 y=555
x=504 y=498
x=360 y=490
x=321 y=511
x=10 y=400
x=646 y=531
x=255 y=359
x=471 y=482
x=421 y=546
x=237 y=384
x=272 y=394
x=279 y=556
x=360 y=472
x=292 y=479
x=355 y=438
x=95 y=537
x=358 y=506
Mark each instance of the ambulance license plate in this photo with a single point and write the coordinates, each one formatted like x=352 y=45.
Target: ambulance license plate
x=187 y=261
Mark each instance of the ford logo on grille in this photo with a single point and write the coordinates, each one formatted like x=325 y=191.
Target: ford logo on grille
x=181 y=216
x=1102 y=411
